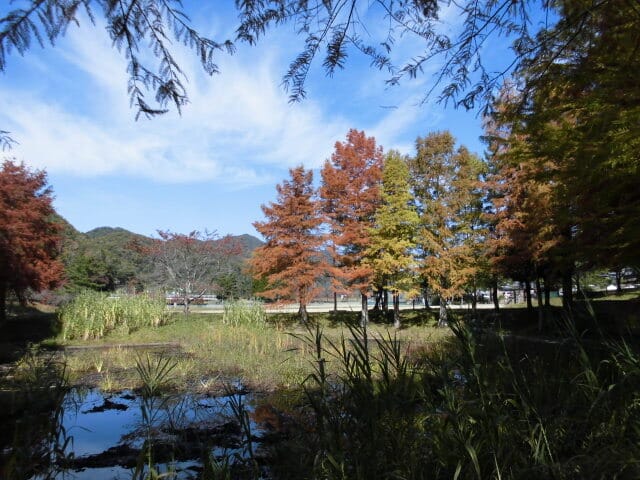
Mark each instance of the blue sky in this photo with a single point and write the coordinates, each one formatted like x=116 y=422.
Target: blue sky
x=212 y=167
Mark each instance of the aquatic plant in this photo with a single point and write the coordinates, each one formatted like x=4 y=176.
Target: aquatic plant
x=93 y=315
x=244 y=312
x=33 y=418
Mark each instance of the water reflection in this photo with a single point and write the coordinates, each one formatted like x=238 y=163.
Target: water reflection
x=33 y=438
x=91 y=435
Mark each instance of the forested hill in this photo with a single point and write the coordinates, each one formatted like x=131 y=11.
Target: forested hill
x=104 y=258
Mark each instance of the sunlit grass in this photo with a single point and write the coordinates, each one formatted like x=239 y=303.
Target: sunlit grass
x=211 y=349
x=95 y=314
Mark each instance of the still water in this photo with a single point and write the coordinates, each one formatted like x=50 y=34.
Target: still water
x=124 y=435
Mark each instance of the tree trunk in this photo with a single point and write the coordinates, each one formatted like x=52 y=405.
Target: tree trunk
x=442 y=320
x=618 y=282
x=3 y=303
x=396 y=309
x=567 y=289
x=541 y=308
x=302 y=313
x=364 y=310
x=527 y=294
x=385 y=301
x=425 y=295
x=474 y=299
x=547 y=292
x=494 y=295
x=378 y=296
x=335 y=302
x=186 y=304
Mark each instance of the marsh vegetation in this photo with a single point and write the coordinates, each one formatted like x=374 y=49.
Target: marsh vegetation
x=246 y=394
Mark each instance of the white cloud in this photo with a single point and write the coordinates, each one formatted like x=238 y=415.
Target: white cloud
x=238 y=125
x=239 y=129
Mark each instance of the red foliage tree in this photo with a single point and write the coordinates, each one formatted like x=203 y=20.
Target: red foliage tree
x=29 y=235
x=290 y=259
x=350 y=196
x=190 y=263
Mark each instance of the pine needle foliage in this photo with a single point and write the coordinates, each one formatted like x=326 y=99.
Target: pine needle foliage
x=349 y=197
x=391 y=252
x=291 y=259
x=136 y=28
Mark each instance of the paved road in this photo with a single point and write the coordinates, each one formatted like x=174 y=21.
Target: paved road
x=320 y=307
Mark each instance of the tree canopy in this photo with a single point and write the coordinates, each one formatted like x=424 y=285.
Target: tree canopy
x=290 y=259
x=390 y=253
x=29 y=235
x=144 y=29
x=349 y=198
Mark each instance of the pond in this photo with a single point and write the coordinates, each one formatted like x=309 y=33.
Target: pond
x=92 y=435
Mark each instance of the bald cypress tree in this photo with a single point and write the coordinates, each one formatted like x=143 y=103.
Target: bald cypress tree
x=390 y=253
x=291 y=259
x=444 y=183
x=349 y=196
x=29 y=237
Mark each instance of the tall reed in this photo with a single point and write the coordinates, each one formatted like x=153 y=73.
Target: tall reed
x=244 y=312
x=475 y=408
x=93 y=315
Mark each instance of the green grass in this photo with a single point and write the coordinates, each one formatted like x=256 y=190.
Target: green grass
x=264 y=355
x=415 y=403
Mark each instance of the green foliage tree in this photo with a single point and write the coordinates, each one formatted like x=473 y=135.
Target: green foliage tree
x=566 y=156
x=582 y=118
x=105 y=259
x=87 y=272
x=390 y=253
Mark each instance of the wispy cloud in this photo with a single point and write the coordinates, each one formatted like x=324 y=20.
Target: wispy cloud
x=239 y=129
x=237 y=125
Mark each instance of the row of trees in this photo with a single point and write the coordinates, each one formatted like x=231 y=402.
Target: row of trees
x=381 y=223
x=564 y=153
x=442 y=222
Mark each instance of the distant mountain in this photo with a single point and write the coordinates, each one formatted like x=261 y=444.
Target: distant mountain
x=119 y=236
x=249 y=243
x=113 y=239
x=107 y=231
x=107 y=257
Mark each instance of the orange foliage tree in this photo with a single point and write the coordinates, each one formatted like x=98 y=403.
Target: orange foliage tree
x=529 y=209
x=291 y=259
x=29 y=236
x=350 y=196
